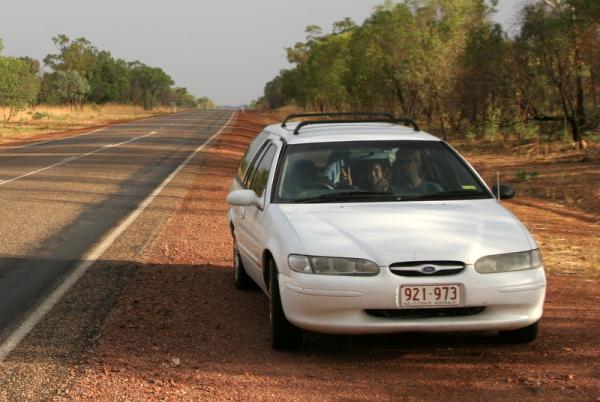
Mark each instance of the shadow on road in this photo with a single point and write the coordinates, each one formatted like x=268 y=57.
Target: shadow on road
x=187 y=324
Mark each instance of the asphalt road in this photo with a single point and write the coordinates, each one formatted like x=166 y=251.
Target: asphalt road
x=59 y=198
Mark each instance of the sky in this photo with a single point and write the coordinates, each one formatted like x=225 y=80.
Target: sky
x=224 y=49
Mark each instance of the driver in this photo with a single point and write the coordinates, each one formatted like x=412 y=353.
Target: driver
x=407 y=174
x=303 y=175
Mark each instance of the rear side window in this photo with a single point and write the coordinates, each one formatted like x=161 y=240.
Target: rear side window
x=260 y=176
x=253 y=149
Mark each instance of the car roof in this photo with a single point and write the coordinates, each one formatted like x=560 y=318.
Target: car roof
x=351 y=131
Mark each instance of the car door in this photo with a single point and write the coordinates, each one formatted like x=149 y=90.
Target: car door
x=252 y=236
x=247 y=166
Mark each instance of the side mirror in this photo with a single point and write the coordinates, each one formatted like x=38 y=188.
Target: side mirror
x=506 y=191
x=243 y=198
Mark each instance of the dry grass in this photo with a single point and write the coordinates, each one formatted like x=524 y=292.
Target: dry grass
x=45 y=119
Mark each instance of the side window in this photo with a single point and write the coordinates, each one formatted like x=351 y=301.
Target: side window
x=260 y=177
x=253 y=148
x=253 y=165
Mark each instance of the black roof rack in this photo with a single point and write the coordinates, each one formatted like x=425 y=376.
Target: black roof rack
x=405 y=121
x=375 y=118
x=388 y=116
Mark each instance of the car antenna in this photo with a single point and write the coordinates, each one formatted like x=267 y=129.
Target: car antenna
x=498 y=185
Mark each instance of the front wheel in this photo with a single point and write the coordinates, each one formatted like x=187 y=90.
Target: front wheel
x=522 y=335
x=284 y=335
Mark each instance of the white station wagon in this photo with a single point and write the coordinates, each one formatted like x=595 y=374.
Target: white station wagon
x=367 y=225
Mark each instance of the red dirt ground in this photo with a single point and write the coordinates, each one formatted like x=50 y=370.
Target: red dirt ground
x=181 y=331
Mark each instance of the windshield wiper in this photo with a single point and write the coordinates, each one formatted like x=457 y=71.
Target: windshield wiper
x=346 y=196
x=444 y=195
x=371 y=195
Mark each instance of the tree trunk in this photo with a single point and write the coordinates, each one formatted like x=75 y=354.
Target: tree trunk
x=443 y=128
x=575 y=130
x=10 y=113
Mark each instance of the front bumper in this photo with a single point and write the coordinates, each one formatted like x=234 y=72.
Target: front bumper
x=342 y=305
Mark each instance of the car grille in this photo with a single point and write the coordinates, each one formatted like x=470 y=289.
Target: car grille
x=426 y=312
x=427 y=268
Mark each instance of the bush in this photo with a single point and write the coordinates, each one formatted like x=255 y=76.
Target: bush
x=524 y=176
x=40 y=116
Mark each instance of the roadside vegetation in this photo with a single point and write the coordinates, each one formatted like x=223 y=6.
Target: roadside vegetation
x=521 y=105
x=82 y=85
x=37 y=122
x=446 y=64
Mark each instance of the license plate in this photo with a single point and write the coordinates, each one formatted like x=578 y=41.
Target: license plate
x=430 y=295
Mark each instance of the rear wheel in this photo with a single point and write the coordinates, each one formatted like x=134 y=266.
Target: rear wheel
x=284 y=335
x=522 y=335
x=241 y=280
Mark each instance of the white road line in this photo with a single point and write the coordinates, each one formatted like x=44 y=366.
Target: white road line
x=72 y=158
x=53 y=140
x=78 y=135
x=89 y=259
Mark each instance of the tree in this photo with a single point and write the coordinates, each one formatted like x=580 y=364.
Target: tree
x=381 y=74
x=149 y=85
x=447 y=64
x=325 y=69
x=180 y=97
x=345 y=25
x=204 y=103
x=484 y=84
x=77 y=55
x=109 y=80
x=100 y=78
x=19 y=85
x=550 y=65
x=65 y=87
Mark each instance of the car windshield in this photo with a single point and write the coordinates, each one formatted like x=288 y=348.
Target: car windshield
x=374 y=171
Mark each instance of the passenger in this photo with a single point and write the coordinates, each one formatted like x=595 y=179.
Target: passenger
x=407 y=174
x=345 y=179
x=378 y=177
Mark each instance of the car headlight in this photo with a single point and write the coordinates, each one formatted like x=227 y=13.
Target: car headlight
x=332 y=265
x=509 y=262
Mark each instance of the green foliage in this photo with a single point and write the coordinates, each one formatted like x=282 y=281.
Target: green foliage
x=101 y=79
x=485 y=87
x=40 y=116
x=446 y=64
x=525 y=176
x=325 y=69
x=65 y=87
x=492 y=123
x=109 y=80
x=204 y=103
x=78 y=55
x=183 y=99
x=18 y=85
x=150 y=86
x=345 y=25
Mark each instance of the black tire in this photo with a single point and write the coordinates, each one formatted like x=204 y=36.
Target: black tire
x=522 y=335
x=241 y=280
x=284 y=335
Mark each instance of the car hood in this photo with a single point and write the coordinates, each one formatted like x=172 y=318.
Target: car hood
x=408 y=231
